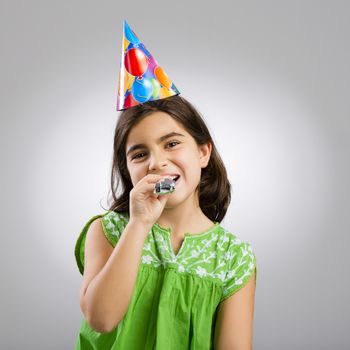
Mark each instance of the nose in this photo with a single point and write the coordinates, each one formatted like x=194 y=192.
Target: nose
x=157 y=160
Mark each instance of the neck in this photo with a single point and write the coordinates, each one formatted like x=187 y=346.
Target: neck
x=185 y=217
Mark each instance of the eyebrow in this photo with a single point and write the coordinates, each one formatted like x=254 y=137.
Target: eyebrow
x=162 y=138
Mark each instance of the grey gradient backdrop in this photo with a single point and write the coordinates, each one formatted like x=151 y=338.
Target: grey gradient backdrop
x=271 y=79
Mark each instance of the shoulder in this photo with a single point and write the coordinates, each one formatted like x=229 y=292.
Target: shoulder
x=115 y=222
x=110 y=223
x=233 y=241
x=241 y=263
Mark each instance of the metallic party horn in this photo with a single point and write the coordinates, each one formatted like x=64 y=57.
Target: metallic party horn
x=164 y=186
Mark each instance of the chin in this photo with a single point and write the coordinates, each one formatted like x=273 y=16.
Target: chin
x=176 y=199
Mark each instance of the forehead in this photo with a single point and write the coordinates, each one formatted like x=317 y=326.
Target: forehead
x=152 y=127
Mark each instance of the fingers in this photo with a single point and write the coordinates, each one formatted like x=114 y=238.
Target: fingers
x=147 y=184
x=149 y=187
x=154 y=178
x=150 y=178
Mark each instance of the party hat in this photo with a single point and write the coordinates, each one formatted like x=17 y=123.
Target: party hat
x=141 y=79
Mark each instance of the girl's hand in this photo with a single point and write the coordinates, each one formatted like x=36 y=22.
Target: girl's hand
x=145 y=206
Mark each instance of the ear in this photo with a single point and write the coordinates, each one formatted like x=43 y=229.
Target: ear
x=204 y=154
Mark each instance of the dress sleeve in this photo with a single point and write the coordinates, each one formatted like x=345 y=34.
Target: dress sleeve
x=112 y=224
x=241 y=267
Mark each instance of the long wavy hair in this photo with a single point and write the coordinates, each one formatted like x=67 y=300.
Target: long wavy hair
x=214 y=187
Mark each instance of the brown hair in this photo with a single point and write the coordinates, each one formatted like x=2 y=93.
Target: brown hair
x=214 y=186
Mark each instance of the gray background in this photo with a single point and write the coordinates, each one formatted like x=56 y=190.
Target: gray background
x=271 y=79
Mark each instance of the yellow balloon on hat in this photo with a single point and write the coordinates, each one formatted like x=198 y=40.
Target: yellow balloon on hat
x=164 y=92
x=162 y=77
x=127 y=81
x=126 y=43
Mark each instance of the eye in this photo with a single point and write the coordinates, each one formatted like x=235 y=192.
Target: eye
x=173 y=142
x=136 y=156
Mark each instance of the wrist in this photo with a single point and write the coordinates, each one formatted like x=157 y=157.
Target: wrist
x=139 y=225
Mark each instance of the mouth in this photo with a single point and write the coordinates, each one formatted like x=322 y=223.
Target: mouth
x=175 y=178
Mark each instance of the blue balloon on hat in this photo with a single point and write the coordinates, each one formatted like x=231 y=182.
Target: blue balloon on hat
x=142 y=89
x=143 y=48
x=130 y=35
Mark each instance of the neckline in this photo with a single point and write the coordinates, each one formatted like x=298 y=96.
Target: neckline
x=189 y=234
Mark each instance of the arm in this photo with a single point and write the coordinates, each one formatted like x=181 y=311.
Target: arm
x=110 y=274
x=234 y=321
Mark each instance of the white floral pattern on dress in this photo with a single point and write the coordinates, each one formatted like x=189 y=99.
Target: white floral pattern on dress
x=216 y=254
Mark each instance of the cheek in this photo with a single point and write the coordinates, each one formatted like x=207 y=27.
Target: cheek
x=136 y=173
x=189 y=159
x=190 y=166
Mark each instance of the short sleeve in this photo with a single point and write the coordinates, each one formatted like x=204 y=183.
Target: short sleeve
x=241 y=266
x=113 y=225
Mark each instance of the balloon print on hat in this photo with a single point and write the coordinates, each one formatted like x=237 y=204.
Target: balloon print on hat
x=129 y=101
x=142 y=89
x=141 y=79
x=135 y=62
x=130 y=35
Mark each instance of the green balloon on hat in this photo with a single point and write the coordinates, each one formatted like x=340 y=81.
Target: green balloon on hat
x=156 y=87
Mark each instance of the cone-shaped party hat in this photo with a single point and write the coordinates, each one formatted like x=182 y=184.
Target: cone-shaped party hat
x=141 y=79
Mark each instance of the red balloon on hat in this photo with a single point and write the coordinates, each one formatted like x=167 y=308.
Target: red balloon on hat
x=136 y=62
x=130 y=101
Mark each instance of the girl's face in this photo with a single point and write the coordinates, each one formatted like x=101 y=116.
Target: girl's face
x=158 y=144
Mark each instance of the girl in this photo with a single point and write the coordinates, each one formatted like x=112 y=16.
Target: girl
x=159 y=271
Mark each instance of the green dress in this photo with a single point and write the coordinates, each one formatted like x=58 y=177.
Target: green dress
x=175 y=298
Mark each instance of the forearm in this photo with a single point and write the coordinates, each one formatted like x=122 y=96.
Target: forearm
x=108 y=295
